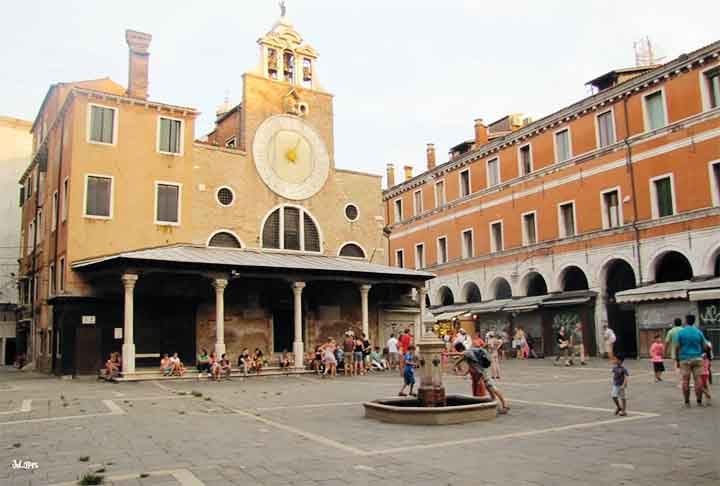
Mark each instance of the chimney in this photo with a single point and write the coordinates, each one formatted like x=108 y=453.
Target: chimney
x=408 y=172
x=430 y=152
x=481 y=133
x=138 y=43
x=390 y=175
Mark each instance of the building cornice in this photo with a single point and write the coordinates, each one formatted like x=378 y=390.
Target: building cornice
x=683 y=63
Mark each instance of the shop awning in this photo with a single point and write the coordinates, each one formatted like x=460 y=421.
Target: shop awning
x=660 y=291
x=524 y=304
x=705 y=290
x=448 y=316
x=489 y=306
x=563 y=299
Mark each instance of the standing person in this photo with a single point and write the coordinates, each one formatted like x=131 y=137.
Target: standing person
x=477 y=362
x=366 y=350
x=691 y=344
x=609 y=338
x=358 y=357
x=706 y=374
x=406 y=340
x=329 y=359
x=494 y=344
x=408 y=371
x=519 y=343
x=348 y=348
x=671 y=342
x=578 y=344
x=621 y=377
x=563 y=346
x=657 y=356
x=393 y=352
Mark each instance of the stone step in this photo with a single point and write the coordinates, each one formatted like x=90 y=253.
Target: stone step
x=194 y=375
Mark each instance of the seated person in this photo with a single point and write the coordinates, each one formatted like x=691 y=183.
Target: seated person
x=318 y=365
x=178 y=369
x=377 y=362
x=112 y=366
x=245 y=361
x=258 y=360
x=166 y=365
x=203 y=362
x=285 y=360
x=225 y=366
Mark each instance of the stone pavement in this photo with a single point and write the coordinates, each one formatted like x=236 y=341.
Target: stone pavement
x=308 y=431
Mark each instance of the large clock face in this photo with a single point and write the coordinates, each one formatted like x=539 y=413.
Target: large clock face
x=290 y=157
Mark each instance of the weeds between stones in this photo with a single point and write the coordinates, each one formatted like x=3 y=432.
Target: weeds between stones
x=91 y=479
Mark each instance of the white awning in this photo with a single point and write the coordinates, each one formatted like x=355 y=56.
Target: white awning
x=448 y=316
x=524 y=304
x=705 y=290
x=661 y=291
x=490 y=306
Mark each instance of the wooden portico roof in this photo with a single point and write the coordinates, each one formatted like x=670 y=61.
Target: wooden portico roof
x=254 y=262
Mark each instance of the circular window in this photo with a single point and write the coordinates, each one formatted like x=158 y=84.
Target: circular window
x=225 y=196
x=352 y=212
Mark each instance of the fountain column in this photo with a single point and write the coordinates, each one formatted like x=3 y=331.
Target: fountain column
x=431 y=392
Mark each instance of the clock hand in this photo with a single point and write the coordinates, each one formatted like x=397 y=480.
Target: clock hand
x=291 y=154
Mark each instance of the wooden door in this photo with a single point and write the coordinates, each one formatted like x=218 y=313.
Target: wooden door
x=87 y=350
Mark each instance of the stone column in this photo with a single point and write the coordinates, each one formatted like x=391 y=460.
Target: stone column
x=128 y=348
x=420 y=328
x=298 y=346
x=220 y=284
x=364 y=291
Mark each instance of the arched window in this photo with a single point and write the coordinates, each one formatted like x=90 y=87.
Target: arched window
x=673 y=267
x=502 y=289
x=291 y=228
x=445 y=296
x=574 y=278
x=471 y=292
x=352 y=250
x=535 y=284
x=224 y=239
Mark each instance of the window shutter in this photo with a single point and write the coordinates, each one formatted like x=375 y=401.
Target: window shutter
x=352 y=250
x=168 y=203
x=312 y=235
x=22 y=195
x=164 y=135
x=107 y=125
x=224 y=240
x=271 y=231
x=95 y=124
x=291 y=228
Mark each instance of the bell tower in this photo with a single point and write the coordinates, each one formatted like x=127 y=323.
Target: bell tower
x=285 y=57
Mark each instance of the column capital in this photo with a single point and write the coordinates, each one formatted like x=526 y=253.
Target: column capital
x=220 y=283
x=129 y=280
x=364 y=288
x=421 y=290
x=298 y=286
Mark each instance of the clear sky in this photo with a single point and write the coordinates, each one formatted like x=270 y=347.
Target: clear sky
x=403 y=72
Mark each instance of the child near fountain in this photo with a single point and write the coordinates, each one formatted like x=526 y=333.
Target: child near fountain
x=408 y=371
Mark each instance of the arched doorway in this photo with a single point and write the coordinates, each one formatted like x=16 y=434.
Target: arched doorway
x=445 y=296
x=502 y=289
x=672 y=267
x=574 y=278
x=471 y=292
x=716 y=272
x=621 y=318
x=535 y=285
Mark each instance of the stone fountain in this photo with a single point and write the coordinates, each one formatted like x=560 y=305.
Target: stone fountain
x=432 y=406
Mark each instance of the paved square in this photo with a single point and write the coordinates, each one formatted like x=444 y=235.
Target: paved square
x=304 y=430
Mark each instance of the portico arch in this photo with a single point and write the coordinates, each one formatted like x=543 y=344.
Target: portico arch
x=534 y=284
x=471 y=292
x=500 y=289
x=445 y=296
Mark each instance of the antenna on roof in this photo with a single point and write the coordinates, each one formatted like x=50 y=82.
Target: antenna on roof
x=645 y=53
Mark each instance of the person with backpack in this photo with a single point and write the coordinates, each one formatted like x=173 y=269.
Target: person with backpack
x=478 y=361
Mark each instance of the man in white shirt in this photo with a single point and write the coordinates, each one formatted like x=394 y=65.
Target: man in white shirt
x=609 y=338
x=393 y=352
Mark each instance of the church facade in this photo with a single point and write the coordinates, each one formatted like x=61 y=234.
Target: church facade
x=140 y=239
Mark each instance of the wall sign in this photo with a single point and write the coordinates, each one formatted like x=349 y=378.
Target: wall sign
x=88 y=320
x=118 y=333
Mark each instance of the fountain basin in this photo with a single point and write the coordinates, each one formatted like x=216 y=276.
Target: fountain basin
x=460 y=409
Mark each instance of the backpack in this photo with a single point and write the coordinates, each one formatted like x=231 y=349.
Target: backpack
x=481 y=357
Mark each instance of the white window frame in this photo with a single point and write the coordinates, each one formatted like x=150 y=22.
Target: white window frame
x=645 y=111
x=611 y=110
x=346 y=243
x=168 y=183
x=422 y=264
x=357 y=218
x=112 y=196
x=401 y=254
x=55 y=207
x=605 y=221
x=714 y=189
x=444 y=193
x=217 y=196
x=417 y=210
x=653 y=195
x=116 y=119
x=570 y=144
x=438 y=252
x=487 y=171
x=301 y=229
x=398 y=209
x=182 y=136
x=231 y=139
x=525 y=236
x=561 y=223
x=460 y=184
x=704 y=92
x=493 y=243
x=467 y=252
x=65 y=200
x=519 y=157
x=61 y=275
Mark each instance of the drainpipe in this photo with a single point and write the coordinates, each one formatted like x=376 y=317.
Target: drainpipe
x=631 y=170
x=53 y=340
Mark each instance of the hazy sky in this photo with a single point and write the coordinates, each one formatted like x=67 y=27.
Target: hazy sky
x=403 y=73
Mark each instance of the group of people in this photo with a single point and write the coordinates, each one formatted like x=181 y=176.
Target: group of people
x=355 y=356
x=571 y=345
x=171 y=365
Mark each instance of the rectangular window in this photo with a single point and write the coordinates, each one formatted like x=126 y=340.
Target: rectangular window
x=605 y=129
x=563 y=151
x=65 y=196
x=230 y=143
x=398 y=210
x=39 y=226
x=442 y=254
x=170 y=136
x=98 y=196
x=51 y=280
x=464 y=183
x=567 y=219
x=54 y=211
x=439 y=194
x=715 y=182
x=30 y=237
x=493 y=172
x=417 y=203
x=61 y=275
x=102 y=124
x=529 y=228
x=496 y=236
x=400 y=259
x=420 y=256
x=168 y=203
x=468 y=245
x=611 y=209
x=663 y=198
x=654 y=111
x=525 y=157
x=712 y=87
